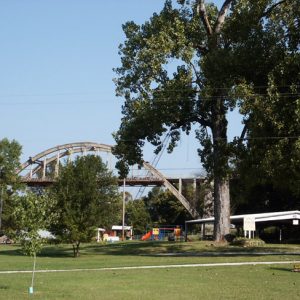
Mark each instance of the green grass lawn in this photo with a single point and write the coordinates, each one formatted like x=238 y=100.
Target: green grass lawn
x=222 y=282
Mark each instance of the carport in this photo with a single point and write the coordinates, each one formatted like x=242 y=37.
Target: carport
x=271 y=218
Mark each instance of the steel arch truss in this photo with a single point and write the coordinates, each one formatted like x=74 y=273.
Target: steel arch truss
x=39 y=163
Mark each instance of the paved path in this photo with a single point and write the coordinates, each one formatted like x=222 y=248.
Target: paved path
x=253 y=263
x=229 y=253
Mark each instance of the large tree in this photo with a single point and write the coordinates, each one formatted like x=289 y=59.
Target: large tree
x=183 y=68
x=87 y=198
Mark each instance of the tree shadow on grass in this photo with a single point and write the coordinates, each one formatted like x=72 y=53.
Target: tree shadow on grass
x=282 y=269
x=11 y=252
x=47 y=251
x=155 y=249
x=63 y=250
x=158 y=248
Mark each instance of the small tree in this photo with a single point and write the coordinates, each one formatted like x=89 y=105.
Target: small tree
x=163 y=208
x=31 y=214
x=137 y=216
x=87 y=198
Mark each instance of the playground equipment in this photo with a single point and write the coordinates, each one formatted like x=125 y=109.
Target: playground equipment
x=171 y=233
x=147 y=236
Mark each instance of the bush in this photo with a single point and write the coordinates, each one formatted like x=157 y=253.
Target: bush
x=244 y=242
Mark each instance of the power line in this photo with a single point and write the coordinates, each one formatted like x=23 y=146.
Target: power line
x=57 y=94
x=262 y=138
x=245 y=138
x=154 y=100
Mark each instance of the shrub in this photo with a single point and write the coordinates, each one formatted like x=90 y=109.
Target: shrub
x=244 y=242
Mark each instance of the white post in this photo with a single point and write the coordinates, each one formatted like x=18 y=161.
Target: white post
x=280 y=235
x=98 y=235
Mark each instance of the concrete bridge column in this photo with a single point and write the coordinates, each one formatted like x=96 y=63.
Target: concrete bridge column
x=57 y=164
x=44 y=167
x=180 y=185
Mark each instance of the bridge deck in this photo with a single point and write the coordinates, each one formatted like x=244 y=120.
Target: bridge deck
x=134 y=181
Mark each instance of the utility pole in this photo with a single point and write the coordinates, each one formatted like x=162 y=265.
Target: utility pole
x=123 y=211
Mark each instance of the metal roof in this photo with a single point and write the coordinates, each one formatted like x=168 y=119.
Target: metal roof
x=261 y=217
x=119 y=227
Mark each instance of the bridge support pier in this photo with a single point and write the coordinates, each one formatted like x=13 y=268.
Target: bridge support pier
x=44 y=167
x=180 y=185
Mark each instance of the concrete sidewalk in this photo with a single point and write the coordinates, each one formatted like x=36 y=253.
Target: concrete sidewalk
x=254 y=263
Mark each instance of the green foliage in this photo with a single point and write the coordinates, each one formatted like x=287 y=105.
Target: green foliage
x=10 y=152
x=156 y=102
x=87 y=198
x=164 y=208
x=268 y=160
x=137 y=216
x=32 y=213
x=190 y=64
x=244 y=242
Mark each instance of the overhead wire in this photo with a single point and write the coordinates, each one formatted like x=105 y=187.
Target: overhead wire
x=154 y=162
x=282 y=95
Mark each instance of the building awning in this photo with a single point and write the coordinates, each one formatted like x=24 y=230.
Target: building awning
x=261 y=217
x=120 y=227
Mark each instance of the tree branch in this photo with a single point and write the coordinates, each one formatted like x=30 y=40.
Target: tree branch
x=243 y=134
x=202 y=49
x=269 y=10
x=222 y=15
x=198 y=79
x=203 y=15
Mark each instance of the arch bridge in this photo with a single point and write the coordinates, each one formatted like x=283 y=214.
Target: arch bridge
x=35 y=171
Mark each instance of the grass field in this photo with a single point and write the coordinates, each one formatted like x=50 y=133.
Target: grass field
x=274 y=281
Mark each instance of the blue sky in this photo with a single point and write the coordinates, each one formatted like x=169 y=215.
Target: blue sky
x=56 y=74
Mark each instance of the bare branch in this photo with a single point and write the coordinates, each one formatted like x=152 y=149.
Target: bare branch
x=198 y=79
x=203 y=15
x=243 y=134
x=222 y=15
x=269 y=10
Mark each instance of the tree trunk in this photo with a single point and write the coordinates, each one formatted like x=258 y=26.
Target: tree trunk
x=220 y=171
x=76 y=249
x=221 y=209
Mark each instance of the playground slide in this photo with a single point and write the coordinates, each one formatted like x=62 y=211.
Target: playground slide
x=146 y=236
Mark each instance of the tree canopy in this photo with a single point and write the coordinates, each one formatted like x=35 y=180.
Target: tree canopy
x=32 y=213
x=137 y=216
x=87 y=198
x=192 y=63
x=164 y=208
